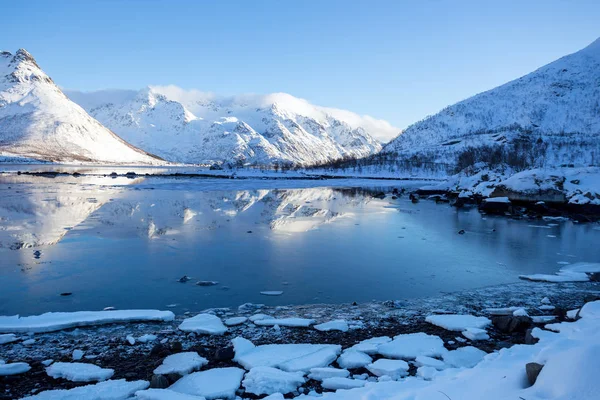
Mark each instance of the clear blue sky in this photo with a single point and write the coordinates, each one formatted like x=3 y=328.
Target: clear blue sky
x=395 y=60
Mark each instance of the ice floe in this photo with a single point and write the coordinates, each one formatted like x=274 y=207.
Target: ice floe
x=79 y=372
x=370 y=346
x=318 y=374
x=272 y=292
x=336 y=325
x=204 y=323
x=8 y=338
x=217 y=383
x=475 y=334
x=354 y=359
x=291 y=322
x=456 y=322
x=181 y=363
x=55 y=321
x=395 y=369
x=577 y=272
x=424 y=361
x=233 y=321
x=410 y=346
x=107 y=390
x=164 y=394
x=14 y=368
x=342 y=383
x=464 y=357
x=268 y=380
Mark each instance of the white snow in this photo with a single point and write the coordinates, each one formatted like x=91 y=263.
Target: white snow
x=268 y=380
x=410 y=346
x=342 y=383
x=455 y=322
x=370 y=346
x=130 y=339
x=164 y=394
x=55 y=321
x=233 y=321
x=395 y=369
x=77 y=354
x=318 y=374
x=520 y=312
x=577 y=272
x=424 y=361
x=464 y=357
x=258 y=316
x=181 y=363
x=291 y=322
x=335 y=325
x=14 y=368
x=107 y=390
x=79 y=372
x=204 y=323
x=147 y=338
x=351 y=359
x=288 y=357
x=217 y=383
x=427 y=373
x=475 y=334
x=8 y=338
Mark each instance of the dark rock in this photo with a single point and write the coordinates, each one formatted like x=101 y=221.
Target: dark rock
x=395 y=191
x=113 y=174
x=529 y=339
x=76 y=174
x=207 y=283
x=184 y=279
x=590 y=298
x=414 y=198
x=173 y=377
x=160 y=350
x=354 y=303
x=594 y=276
x=37 y=254
x=66 y=294
x=533 y=370
x=512 y=324
x=575 y=181
x=224 y=354
x=461 y=232
x=130 y=375
x=394 y=197
x=495 y=208
x=560 y=313
x=379 y=195
x=249 y=232
x=159 y=382
x=176 y=347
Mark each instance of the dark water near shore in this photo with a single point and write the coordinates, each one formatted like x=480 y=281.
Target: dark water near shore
x=126 y=242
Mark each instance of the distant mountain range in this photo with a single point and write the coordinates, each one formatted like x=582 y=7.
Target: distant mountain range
x=193 y=127
x=550 y=116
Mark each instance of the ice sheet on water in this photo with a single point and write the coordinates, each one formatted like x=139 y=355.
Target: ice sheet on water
x=335 y=325
x=354 y=359
x=290 y=322
x=79 y=372
x=233 y=321
x=164 y=394
x=181 y=363
x=14 y=368
x=318 y=374
x=204 y=323
x=217 y=383
x=268 y=380
x=456 y=322
x=410 y=346
x=464 y=357
x=107 y=390
x=342 y=383
x=395 y=369
x=370 y=346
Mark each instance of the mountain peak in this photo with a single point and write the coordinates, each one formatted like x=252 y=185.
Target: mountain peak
x=593 y=48
x=23 y=55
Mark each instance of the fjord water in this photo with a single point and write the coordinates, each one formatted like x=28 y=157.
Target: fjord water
x=125 y=243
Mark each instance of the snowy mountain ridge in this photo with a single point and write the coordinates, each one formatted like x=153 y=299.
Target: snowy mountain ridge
x=552 y=114
x=197 y=127
x=37 y=120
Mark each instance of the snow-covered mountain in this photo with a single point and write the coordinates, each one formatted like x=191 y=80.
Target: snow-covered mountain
x=37 y=120
x=196 y=127
x=551 y=116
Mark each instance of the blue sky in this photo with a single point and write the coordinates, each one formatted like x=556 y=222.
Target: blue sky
x=394 y=60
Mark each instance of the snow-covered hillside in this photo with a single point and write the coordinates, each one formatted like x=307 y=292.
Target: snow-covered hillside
x=195 y=127
x=37 y=120
x=549 y=117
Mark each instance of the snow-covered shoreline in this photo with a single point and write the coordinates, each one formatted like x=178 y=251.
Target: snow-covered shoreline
x=120 y=346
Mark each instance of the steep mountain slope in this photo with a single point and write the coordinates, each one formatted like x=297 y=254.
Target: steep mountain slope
x=37 y=120
x=194 y=127
x=546 y=118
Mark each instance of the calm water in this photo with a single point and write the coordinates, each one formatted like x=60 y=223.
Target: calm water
x=126 y=242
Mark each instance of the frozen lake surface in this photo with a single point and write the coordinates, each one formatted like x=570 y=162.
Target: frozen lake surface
x=125 y=243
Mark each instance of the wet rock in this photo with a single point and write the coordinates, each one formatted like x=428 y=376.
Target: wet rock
x=160 y=350
x=176 y=347
x=66 y=294
x=249 y=232
x=489 y=206
x=594 y=276
x=575 y=181
x=159 y=382
x=184 y=279
x=512 y=324
x=561 y=313
x=37 y=254
x=533 y=370
x=590 y=298
x=461 y=232
x=113 y=174
x=173 y=377
x=414 y=198
x=207 y=283
x=76 y=174
x=529 y=339
x=394 y=197
x=379 y=195
x=224 y=354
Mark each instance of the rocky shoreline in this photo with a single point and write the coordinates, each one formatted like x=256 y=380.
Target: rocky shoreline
x=108 y=346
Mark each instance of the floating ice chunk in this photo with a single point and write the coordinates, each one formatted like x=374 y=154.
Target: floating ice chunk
x=272 y=292
x=28 y=342
x=77 y=355
x=427 y=373
x=130 y=339
x=475 y=334
x=164 y=394
x=55 y=321
x=291 y=322
x=497 y=200
x=47 y=362
x=289 y=357
x=181 y=363
x=342 y=383
x=79 y=372
x=107 y=390
x=318 y=374
x=455 y=322
x=235 y=321
x=543 y=319
x=8 y=338
x=204 y=323
x=256 y=317
x=370 y=346
x=335 y=325
x=354 y=359
x=546 y=307
x=395 y=369
x=545 y=300
x=147 y=338
x=217 y=383
x=502 y=310
x=424 y=361
x=14 y=368
x=410 y=346
x=268 y=380
x=464 y=357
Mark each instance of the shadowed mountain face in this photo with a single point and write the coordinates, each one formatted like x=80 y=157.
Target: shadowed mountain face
x=37 y=120
x=551 y=116
x=249 y=129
